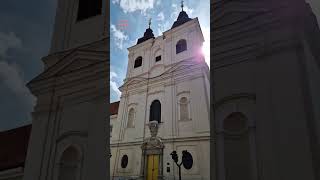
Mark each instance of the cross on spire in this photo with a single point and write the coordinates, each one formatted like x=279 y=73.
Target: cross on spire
x=182 y=5
x=149 y=22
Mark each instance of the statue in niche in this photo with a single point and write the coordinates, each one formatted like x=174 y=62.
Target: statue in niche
x=153 y=142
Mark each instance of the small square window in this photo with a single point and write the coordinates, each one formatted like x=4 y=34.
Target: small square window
x=158 y=58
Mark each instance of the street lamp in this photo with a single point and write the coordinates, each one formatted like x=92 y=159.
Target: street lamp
x=175 y=158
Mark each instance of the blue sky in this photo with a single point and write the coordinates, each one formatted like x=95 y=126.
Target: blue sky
x=135 y=15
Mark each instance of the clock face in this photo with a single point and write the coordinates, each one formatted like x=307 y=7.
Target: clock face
x=187 y=160
x=124 y=161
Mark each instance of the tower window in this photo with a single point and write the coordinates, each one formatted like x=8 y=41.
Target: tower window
x=181 y=46
x=158 y=58
x=155 y=111
x=138 y=62
x=89 y=8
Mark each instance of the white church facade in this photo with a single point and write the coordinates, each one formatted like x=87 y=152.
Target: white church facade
x=167 y=83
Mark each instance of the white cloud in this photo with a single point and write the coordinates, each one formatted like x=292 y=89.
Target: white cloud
x=113 y=84
x=115 y=1
x=164 y=26
x=177 y=9
x=8 y=41
x=135 y=5
x=160 y=16
x=119 y=36
x=12 y=77
x=10 y=74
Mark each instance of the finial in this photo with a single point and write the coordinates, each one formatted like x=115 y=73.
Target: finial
x=182 y=5
x=149 y=22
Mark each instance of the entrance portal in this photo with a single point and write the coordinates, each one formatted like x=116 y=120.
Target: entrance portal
x=152 y=155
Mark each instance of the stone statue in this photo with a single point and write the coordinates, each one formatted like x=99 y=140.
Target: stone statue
x=154 y=141
x=153 y=126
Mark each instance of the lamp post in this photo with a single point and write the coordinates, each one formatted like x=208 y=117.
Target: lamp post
x=175 y=158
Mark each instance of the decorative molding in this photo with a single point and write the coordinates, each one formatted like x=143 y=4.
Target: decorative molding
x=183 y=92
x=164 y=140
x=248 y=96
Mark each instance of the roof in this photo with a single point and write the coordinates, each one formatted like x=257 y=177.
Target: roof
x=182 y=18
x=14 y=147
x=147 y=35
x=114 y=108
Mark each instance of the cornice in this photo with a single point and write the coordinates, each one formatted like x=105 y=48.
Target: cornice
x=164 y=140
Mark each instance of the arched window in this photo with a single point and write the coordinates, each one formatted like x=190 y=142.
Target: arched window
x=237 y=163
x=155 y=111
x=124 y=161
x=181 y=46
x=138 y=62
x=70 y=164
x=184 y=109
x=131 y=115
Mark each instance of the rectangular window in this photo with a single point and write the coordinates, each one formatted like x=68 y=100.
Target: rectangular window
x=158 y=58
x=89 y=8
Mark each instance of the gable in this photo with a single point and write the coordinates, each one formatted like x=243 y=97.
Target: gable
x=75 y=60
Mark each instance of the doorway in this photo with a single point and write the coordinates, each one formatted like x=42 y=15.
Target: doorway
x=153 y=167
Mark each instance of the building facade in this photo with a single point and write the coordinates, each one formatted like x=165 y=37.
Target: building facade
x=167 y=82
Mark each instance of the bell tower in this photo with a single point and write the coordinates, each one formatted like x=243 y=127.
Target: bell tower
x=69 y=128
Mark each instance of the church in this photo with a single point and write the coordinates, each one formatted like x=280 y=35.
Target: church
x=164 y=107
x=262 y=120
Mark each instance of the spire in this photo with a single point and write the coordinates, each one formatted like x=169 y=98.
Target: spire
x=147 y=35
x=181 y=5
x=182 y=18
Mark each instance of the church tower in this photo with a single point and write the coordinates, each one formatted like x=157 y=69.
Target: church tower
x=69 y=131
x=167 y=88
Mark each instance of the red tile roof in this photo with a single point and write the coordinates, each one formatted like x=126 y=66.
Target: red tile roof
x=13 y=147
x=114 y=107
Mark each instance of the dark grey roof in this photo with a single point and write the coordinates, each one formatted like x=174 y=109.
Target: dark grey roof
x=182 y=18
x=147 y=35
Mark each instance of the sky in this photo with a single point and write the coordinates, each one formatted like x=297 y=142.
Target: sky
x=25 y=35
x=129 y=20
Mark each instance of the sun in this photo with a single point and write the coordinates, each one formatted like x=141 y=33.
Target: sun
x=206 y=45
